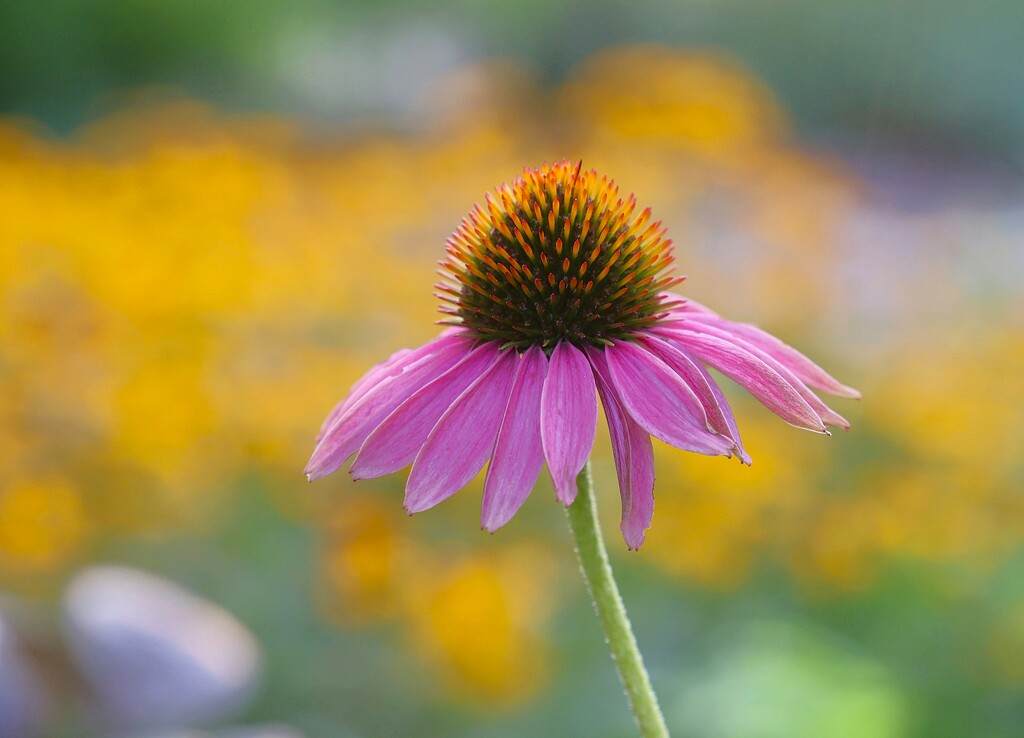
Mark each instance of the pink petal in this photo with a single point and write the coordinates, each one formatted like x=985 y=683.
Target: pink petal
x=730 y=419
x=762 y=381
x=660 y=401
x=390 y=387
x=397 y=439
x=827 y=414
x=634 y=458
x=458 y=446
x=518 y=453
x=392 y=366
x=377 y=373
x=568 y=417
x=696 y=377
x=803 y=368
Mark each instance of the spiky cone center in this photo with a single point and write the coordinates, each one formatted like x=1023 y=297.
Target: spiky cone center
x=556 y=255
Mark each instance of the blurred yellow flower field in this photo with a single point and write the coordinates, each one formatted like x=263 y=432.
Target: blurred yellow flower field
x=185 y=292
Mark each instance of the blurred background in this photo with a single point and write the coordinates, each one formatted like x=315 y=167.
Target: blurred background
x=214 y=216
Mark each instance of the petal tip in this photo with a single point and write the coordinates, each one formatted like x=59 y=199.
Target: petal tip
x=490 y=523
x=358 y=471
x=821 y=427
x=566 y=493
x=314 y=473
x=634 y=539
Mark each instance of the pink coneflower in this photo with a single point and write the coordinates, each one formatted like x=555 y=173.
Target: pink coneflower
x=555 y=294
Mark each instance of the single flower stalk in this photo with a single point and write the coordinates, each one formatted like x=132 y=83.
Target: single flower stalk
x=556 y=292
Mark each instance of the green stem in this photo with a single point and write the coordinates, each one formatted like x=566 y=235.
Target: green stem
x=597 y=572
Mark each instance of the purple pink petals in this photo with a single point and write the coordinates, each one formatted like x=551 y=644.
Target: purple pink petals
x=452 y=404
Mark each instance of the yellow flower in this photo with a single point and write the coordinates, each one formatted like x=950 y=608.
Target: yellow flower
x=43 y=523
x=701 y=103
x=362 y=561
x=716 y=517
x=478 y=619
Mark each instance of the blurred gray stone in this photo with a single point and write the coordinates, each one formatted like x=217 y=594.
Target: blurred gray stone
x=154 y=654
x=22 y=704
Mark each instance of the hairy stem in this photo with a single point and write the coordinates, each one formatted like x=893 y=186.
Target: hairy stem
x=593 y=558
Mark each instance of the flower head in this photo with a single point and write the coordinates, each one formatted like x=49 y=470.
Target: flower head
x=556 y=256
x=555 y=293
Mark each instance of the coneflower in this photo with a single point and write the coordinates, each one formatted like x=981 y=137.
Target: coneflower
x=554 y=288
x=555 y=292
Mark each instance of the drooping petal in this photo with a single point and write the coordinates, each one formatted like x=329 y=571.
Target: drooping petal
x=458 y=446
x=396 y=440
x=730 y=419
x=827 y=414
x=634 y=457
x=803 y=368
x=380 y=395
x=704 y=387
x=661 y=402
x=568 y=417
x=393 y=365
x=742 y=366
x=518 y=452
x=371 y=379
